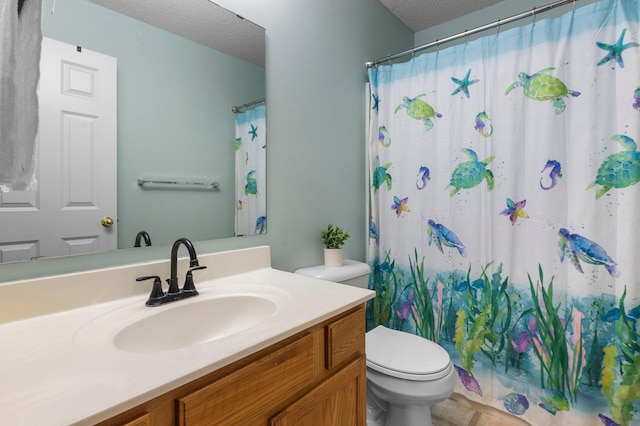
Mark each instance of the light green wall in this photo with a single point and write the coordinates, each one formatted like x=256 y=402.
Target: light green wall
x=174 y=120
x=316 y=51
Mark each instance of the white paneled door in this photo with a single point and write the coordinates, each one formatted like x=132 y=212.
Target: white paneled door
x=75 y=201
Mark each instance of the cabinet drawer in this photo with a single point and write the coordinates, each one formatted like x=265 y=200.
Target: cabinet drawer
x=144 y=420
x=247 y=395
x=344 y=338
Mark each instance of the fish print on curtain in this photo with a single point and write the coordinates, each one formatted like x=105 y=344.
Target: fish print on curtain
x=251 y=172
x=504 y=212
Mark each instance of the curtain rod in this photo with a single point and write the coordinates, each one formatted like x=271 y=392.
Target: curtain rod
x=466 y=33
x=236 y=109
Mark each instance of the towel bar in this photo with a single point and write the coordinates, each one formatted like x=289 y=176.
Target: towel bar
x=207 y=185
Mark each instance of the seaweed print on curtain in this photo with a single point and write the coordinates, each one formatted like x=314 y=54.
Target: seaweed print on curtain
x=251 y=173
x=504 y=212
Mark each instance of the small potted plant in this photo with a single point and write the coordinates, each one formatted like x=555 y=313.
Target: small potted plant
x=333 y=238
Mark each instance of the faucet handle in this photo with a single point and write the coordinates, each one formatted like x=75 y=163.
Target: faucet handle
x=156 y=292
x=188 y=282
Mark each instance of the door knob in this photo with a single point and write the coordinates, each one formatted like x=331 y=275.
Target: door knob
x=106 y=221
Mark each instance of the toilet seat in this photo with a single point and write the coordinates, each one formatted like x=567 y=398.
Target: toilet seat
x=406 y=356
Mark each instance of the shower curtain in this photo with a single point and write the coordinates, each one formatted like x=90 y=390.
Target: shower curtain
x=251 y=172
x=20 y=39
x=504 y=206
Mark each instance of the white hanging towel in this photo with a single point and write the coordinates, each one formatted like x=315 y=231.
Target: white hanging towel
x=20 y=45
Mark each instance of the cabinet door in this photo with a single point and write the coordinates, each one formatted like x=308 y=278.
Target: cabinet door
x=339 y=400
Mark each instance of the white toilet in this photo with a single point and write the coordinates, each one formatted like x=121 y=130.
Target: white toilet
x=406 y=374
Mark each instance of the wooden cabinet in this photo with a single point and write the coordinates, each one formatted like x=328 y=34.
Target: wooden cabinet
x=316 y=377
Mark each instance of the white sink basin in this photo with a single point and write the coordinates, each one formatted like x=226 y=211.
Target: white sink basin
x=194 y=321
x=190 y=324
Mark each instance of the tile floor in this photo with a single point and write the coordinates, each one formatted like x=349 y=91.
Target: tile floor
x=459 y=411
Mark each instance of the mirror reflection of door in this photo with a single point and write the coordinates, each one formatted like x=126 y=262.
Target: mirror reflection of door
x=77 y=172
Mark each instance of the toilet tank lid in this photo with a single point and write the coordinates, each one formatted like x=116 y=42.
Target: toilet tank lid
x=405 y=353
x=350 y=269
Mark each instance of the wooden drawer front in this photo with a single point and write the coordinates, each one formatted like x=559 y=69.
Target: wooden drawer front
x=345 y=338
x=144 y=420
x=250 y=395
x=339 y=400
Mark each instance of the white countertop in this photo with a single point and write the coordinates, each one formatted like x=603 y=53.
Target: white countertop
x=61 y=368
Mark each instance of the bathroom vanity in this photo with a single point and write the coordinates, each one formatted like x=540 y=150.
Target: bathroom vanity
x=84 y=349
x=317 y=375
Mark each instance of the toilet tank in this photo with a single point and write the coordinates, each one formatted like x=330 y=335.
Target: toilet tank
x=352 y=273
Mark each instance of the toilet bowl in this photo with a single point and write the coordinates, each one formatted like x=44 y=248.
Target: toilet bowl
x=406 y=374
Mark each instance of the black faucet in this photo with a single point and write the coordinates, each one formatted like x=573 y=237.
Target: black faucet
x=158 y=296
x=193 y=263
x=147 y=239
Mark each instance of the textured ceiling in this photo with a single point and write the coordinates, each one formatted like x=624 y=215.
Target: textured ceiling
x=211 y=25
x=199 y=20
x=421 y=14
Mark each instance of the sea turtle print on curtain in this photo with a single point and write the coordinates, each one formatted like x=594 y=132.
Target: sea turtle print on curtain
x=504 y=216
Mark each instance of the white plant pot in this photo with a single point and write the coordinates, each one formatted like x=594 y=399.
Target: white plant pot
x=332 y=257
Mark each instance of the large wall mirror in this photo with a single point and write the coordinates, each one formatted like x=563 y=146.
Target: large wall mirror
x=181 y=65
